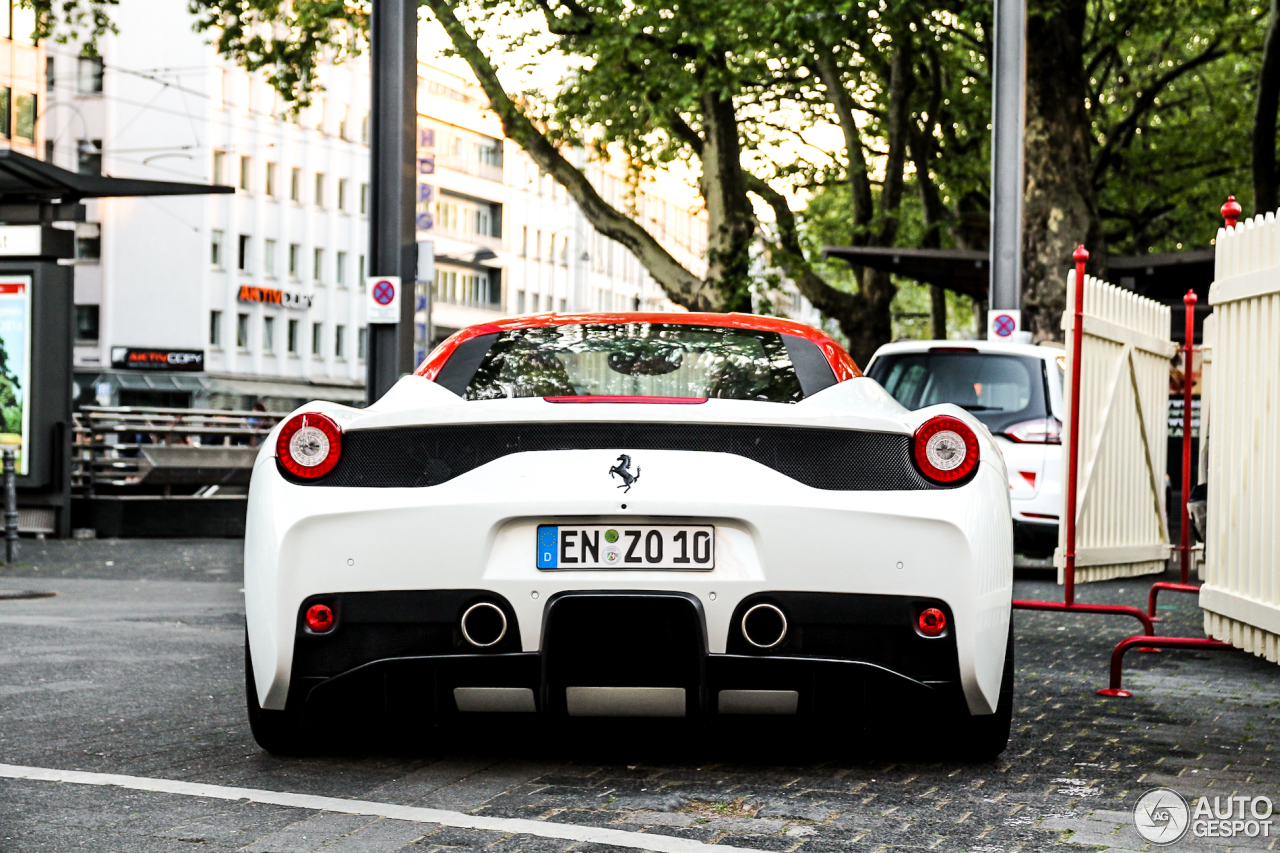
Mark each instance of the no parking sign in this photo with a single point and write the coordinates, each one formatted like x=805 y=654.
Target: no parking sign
x=1002 y=325
x=384 y=299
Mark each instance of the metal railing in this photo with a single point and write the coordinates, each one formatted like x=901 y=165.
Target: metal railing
x=150 y=449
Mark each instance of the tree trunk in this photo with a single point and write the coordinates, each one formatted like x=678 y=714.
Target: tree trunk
x=1266 y=194
x=938 y=311
x=1059 y=207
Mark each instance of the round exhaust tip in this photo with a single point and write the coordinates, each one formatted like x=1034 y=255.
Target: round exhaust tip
x=483 y=625
x=764 y=626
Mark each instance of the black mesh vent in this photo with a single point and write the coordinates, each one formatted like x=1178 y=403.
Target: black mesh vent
x=353 y=645
x=834 y=459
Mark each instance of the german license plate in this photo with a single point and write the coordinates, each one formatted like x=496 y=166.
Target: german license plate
x=689 y=547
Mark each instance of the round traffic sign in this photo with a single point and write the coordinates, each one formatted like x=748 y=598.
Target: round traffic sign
x=384 y=292
x=1005 y=325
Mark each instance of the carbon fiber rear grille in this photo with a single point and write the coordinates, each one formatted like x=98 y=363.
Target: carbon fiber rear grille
x=832 y=459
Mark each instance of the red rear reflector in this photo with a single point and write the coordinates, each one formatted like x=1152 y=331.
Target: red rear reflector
x=603 y=398
x=320 y=618
x=932 y=622
x=1030 y=477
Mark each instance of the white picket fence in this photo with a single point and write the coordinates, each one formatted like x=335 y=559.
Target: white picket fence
x=1124 y=392
x=1241 y=591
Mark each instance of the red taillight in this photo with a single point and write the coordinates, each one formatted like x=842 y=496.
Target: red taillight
x=932 y=622
x=1041 y=431
x=309 y=445
x=946 y=449
x=320 y=618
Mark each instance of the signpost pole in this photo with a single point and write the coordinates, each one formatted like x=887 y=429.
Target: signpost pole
x=1008 y=117
x=392 y=251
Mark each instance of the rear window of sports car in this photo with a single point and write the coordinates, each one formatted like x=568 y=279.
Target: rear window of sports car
x=637 y=360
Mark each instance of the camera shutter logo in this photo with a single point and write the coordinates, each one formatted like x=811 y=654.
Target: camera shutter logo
x=1161 y=816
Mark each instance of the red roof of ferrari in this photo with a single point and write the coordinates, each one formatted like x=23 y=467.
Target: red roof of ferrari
x=839 y=360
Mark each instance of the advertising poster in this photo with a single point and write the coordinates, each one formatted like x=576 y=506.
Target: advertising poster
x=15 y=366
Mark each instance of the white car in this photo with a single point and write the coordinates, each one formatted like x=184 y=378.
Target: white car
x=1015 y=390
x=630 y=515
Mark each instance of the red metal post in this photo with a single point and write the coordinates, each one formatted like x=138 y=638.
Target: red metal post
x=1231 y=211
x=1117 y=655
x=1188 y=364
x=1073 y=449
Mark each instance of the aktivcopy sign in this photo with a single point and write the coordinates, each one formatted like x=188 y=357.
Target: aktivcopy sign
x=131 y=358
x=15 y=366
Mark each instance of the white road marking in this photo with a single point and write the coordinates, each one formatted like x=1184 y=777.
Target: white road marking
x=519 y=826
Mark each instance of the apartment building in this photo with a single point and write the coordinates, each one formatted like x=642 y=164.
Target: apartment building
x=22 y=81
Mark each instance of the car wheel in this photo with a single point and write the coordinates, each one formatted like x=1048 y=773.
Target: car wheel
x=983 y=737
x=278 y=732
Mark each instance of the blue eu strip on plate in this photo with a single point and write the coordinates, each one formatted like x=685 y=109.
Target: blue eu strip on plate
x=548 y=545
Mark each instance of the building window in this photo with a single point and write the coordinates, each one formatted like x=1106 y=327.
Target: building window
x=316 y=335
x=271 y=179
x=215 y=328
x=86 y=323
x=49 y=76
x=88 y=242
x=364 y=198
x=519 y=301
x=360 y=277
x=24 y=116
x=295 y=185
x=293 y=337
x=6 y=111
x=364 y=128
x=242 y=331
x=268 y=334
x=319 y=189
x=342 y=122
x=216 y=239
x=242 y=259
x=269 y=257
x=522 y=249
x=536 y=299
x=89 y=156
x=295 y=261
x=338 y=335
x=342 y=194
x=219 y=167
x=89 y=75
x=317 y=266
x=362 y=342
x=340 y=274
x=246 y=170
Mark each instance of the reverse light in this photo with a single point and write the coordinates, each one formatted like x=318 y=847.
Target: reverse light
x=309 y=445
x=945 y=449
x=320 y=618
x=932 y=622
x=1039 y=431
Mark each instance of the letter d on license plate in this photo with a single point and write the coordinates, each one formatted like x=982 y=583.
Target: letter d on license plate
x=679 y=547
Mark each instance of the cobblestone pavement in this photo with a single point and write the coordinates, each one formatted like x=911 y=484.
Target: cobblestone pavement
x=136 y=668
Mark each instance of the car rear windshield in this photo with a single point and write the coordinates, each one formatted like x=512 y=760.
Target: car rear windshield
x=638 y=360
x=999 y=389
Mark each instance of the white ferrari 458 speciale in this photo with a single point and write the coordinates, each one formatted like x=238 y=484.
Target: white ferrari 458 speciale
x=632 y=515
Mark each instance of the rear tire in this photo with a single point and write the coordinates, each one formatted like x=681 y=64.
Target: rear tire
x=278 y=732
x=983 y=737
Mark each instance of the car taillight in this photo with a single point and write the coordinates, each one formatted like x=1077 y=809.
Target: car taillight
x=945 y=449
x=319 y=618
x=1040 y=431
x=309 y=445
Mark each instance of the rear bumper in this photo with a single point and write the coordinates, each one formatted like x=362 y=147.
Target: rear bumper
x=618 y=653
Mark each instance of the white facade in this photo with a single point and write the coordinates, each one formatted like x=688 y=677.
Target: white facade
x=267 y=282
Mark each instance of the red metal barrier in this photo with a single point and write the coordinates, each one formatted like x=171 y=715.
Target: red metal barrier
x=1068 y=603
x=1117 y=656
